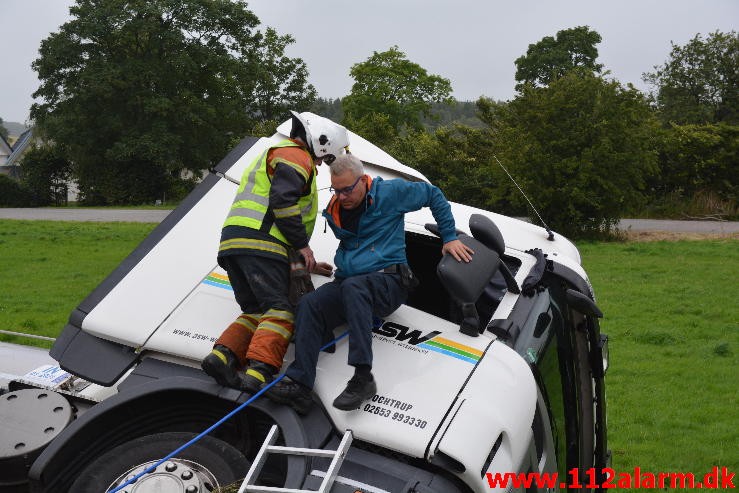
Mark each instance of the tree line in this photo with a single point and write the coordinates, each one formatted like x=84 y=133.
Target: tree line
x=140 y=97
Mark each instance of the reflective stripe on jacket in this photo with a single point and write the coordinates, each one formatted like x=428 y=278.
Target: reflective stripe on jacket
x=251 y=206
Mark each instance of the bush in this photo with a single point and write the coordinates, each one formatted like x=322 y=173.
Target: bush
x=12 y=194
x=698 y=161
x=46 y=172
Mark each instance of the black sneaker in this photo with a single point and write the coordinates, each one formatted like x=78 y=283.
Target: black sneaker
x=256 y=376
x=357 y=390
x=222 y=365
x=293 y=394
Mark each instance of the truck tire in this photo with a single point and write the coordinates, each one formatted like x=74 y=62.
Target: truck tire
x=207 y=464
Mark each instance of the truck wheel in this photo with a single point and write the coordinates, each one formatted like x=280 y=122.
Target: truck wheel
x=204 y=466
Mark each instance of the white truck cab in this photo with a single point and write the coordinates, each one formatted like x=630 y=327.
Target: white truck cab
x=496 y=366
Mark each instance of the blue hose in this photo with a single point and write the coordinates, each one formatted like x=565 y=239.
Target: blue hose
x=216 y=425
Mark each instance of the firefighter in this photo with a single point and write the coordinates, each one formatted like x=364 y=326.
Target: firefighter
x=274 y=210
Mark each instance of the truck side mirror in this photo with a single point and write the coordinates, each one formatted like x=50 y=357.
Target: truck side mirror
x=465 y=282
x=485 y=230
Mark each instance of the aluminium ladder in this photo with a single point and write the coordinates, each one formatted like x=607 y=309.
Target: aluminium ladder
x=268 y=446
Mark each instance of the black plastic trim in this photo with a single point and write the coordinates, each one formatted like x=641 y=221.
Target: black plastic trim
x=572 y=277
x=583 y=303
x=97 y=360
x=505 y=329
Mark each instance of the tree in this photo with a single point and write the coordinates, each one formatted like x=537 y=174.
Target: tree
x=328 y=108
x=582 y=149
x=700 y=81
x=145 y=92
x=456 y=158
x=46 y=173
x=552 y=58
x=375 y=127
x=281 y=82
x=390 y=84
x=445 y=115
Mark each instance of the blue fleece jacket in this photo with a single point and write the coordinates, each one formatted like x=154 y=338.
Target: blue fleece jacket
x=380 y=238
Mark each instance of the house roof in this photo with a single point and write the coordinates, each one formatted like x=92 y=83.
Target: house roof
x=20 y=146
x=5 y=148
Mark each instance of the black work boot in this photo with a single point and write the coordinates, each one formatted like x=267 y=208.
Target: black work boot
x=255 y=376
x=295 y=395
x=357 y=390
x=222 y=365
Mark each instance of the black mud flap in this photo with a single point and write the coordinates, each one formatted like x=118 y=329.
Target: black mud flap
x=92 y=358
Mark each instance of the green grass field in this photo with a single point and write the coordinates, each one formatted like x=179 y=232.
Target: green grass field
x=671 y=312
x=48 y=267
x=672 y=316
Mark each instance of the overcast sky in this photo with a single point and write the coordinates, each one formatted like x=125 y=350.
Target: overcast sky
x=473 y=43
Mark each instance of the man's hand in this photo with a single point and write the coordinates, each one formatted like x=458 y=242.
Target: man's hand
x=308 y=258
x=323 y=269
x=458 y=250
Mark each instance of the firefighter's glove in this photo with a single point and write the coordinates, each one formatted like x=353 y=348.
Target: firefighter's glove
x=300 y=281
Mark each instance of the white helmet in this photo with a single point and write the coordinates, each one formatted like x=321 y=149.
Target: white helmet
x=324 y=137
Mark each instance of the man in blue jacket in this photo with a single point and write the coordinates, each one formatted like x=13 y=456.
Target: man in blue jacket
x=372 y=277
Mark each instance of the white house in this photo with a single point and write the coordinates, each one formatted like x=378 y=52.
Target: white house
x=5 y=151
x=11 y=165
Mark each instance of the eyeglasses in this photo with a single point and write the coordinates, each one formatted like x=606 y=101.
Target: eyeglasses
x=345 y=190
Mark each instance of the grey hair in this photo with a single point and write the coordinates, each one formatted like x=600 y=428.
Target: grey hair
x=347 y=162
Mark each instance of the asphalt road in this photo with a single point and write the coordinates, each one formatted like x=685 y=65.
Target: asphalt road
x=91 y=215
x=155 y=216
x=706 y=227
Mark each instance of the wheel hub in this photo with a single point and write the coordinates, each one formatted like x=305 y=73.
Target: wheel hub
x=175 y=476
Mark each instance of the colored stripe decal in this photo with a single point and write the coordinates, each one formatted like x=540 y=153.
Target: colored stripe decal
x=447 y=342
x=430 y=347
x=217 y=284
x=217 y=280
x=450 y=349
x=454 y=349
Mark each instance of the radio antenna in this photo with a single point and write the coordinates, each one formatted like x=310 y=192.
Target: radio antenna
x=550 y=236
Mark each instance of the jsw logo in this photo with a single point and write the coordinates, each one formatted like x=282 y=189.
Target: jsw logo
x=403 y=333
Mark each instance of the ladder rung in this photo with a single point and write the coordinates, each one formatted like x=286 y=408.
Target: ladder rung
x=268 y=446
x=275 y=489
x=301 y=451
x=366 y=488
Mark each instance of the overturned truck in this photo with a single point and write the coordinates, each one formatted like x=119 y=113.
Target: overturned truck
x=496 y=366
